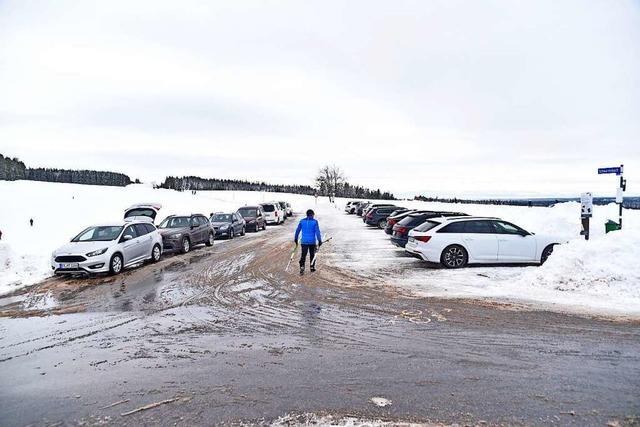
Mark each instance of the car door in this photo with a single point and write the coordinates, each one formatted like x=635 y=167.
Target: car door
x=514 y=243
x=237 y=222
x=198 y=231
x=146 y=240
x=479 y=237
x=130 y=248
x=481 y=246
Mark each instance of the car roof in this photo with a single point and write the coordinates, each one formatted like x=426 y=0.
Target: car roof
x=468 y=218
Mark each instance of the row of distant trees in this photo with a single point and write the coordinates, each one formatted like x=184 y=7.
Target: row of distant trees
x=338 y=187
x=628 y=202
x=14 y=169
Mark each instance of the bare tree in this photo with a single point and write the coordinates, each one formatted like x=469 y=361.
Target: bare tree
x=330 y=180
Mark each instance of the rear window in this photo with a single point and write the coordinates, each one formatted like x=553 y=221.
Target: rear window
x=141 y=212
x=412 y=221
x=456 y=227
x=426 y=226
x=268 y=208
x=248 y=212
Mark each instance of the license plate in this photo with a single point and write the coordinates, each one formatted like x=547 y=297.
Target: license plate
x=68 y=266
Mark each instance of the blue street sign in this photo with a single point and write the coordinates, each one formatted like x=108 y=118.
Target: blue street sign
x=617 y=170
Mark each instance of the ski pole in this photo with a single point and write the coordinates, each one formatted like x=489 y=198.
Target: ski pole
x=313 y=261
x=293 y=253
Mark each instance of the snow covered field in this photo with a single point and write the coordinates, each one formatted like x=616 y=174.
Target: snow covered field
x=599 y=276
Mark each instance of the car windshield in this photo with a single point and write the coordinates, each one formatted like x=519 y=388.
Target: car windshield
x=175 y=222
x=221 y=218
x=98 y=234
x=269 y=208
x=248 y=212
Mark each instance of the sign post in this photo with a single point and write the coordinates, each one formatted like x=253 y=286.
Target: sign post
x=586 y=202
x=618 y=170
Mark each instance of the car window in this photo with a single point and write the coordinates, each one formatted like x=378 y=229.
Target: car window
x=130 y=231
x=455 y=227
x=483 y=227
x=503 y=227
x=98 y=234
x=268 y=208
x=426 y=226
x=221 y=218
x=195 y=221
x=150 y=228
x=140 y=229
x=175 y=222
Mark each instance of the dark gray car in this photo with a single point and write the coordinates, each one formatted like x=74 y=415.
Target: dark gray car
x=228 y=224
x=181 y=233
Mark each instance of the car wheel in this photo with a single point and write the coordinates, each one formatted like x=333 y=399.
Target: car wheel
x=546 y=253
x=186 y=245
x=156 y=253
x=116 y=264
x=244 y=231
x=264 y=226
x=382 y=224
x=210 y=240
x=231 y=234
x=454 y=256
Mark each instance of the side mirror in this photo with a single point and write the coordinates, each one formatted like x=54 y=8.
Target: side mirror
x=524 y=233
x=127 y=237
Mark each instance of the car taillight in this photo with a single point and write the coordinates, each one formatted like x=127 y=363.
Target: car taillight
x=370 y=215
x=392 y=222
x=424 y=239
x=402 y=230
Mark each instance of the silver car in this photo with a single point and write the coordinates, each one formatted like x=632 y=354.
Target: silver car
x=108 y=248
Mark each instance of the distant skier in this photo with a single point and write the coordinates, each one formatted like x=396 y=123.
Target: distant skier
x=310 y=234
x=31 y=221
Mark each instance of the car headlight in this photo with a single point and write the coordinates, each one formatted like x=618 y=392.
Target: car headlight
x=175 y=236
x=251 y=221
x=224 y=227
x=98 y=252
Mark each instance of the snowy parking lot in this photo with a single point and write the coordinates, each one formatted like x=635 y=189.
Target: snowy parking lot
x=597 y=277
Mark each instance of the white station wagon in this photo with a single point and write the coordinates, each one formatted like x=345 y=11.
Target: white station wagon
x=455 y=242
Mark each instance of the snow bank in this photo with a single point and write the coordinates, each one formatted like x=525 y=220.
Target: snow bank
x=60 y=211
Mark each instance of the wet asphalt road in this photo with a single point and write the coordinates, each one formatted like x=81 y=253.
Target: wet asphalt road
x=224 y=335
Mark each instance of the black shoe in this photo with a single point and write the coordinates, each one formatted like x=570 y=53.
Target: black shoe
x=302 y=271
x=313 y=269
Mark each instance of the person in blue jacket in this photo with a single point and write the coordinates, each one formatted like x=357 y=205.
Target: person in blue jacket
x=310 y=230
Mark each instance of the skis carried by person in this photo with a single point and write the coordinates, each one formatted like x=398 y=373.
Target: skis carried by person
x=315 y=256
x=293 y=254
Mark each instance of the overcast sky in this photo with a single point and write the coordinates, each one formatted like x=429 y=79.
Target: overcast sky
x=437 y=97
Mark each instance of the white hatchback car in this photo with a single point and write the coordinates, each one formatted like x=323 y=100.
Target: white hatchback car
x=455 y=242
x=108 y=248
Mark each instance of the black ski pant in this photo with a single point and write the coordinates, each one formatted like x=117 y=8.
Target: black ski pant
x=311 y=250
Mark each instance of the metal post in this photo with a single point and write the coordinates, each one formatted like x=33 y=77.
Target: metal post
x=621 y=201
